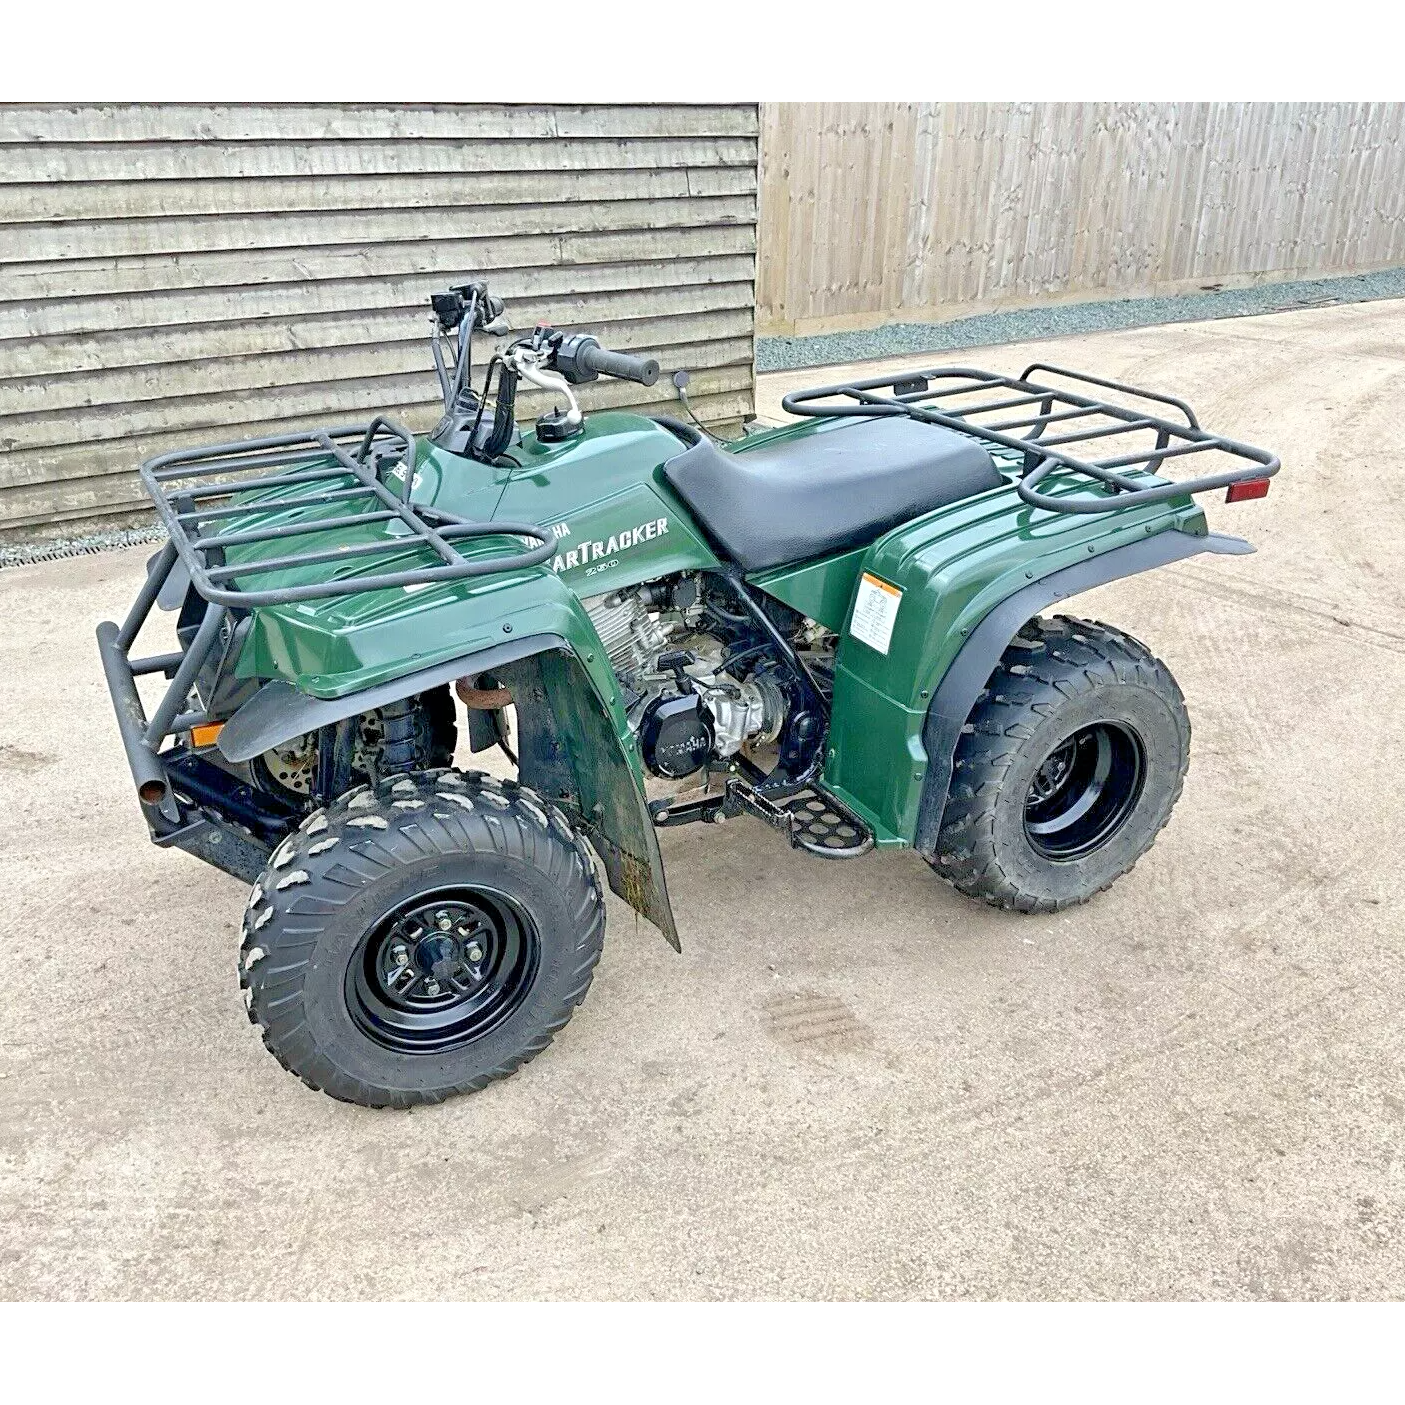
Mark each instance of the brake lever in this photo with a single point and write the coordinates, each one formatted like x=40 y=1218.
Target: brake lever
x=529 y=363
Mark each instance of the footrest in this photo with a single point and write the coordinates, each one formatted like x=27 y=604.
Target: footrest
x=811 y=818
x=820 y=825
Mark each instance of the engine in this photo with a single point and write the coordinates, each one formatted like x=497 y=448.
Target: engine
x=683 y=702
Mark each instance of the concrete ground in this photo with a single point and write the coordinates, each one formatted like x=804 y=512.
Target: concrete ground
x=853 y=1082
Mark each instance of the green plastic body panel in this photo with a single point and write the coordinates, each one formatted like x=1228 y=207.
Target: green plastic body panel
x=821 y=590
x=952 y=566
x=604 y=494
x=581 y=753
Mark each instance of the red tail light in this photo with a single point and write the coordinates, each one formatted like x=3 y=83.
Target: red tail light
x=1249 y=488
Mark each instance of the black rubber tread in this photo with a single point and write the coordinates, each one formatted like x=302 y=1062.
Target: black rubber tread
x=1048 y=667
x=371 y=832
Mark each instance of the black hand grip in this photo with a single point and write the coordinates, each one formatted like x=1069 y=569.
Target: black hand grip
x=615 y=363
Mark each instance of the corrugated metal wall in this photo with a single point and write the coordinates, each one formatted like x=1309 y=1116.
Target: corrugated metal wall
x=882 y=212
x=173 y=274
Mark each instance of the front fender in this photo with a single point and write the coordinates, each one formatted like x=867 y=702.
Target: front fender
x=349 y=655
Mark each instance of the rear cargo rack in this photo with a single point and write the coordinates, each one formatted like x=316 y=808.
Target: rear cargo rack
x=299 y=477
x=963 y=399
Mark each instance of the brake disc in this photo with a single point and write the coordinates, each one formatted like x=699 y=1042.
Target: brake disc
x=293 y=766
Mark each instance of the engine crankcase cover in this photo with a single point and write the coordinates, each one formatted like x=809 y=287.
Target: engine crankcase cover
x=676 y=736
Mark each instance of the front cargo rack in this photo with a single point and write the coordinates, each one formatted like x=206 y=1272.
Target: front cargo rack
x=962 y=398
x=291 y=490
x=298 y=477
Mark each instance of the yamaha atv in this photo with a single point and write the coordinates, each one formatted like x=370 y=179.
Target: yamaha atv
x=832 y=627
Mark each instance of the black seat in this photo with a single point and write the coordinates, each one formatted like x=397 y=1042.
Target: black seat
x=839 y=488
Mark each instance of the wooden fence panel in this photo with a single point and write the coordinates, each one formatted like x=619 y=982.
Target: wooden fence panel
x=884 y=212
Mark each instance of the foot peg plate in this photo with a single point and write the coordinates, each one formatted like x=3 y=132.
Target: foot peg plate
x=820 y=825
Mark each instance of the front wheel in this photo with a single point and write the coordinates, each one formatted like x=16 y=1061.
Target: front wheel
x=421 y=938
x=1068 y=769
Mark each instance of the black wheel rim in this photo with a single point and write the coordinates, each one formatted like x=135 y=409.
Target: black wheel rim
x=1083 y=791
x=442 y=969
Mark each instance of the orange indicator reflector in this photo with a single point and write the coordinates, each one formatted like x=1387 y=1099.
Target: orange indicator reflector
x=207 y=734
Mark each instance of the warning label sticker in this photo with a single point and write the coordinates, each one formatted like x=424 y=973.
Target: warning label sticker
x=875 y=609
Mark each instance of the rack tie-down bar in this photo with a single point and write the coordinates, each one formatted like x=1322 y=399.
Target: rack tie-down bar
x=1151 y=438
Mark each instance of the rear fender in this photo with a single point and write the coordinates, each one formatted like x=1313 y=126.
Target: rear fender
x=575 y=745
x=965 y=679
x=966 y=577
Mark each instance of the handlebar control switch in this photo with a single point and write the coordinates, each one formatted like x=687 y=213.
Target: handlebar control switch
x=571 y=360
x=448 y=309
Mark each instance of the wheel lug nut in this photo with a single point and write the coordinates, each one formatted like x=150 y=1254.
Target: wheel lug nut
x=474 y=952
x=444 y=922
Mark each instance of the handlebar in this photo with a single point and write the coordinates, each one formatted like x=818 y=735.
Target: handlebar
x=593 y=357
x=553 y=361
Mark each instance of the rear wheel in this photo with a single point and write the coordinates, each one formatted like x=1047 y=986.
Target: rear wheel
x=1070 y=765
x=421 y=938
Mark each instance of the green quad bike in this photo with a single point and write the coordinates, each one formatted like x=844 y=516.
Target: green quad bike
x=833 y=627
